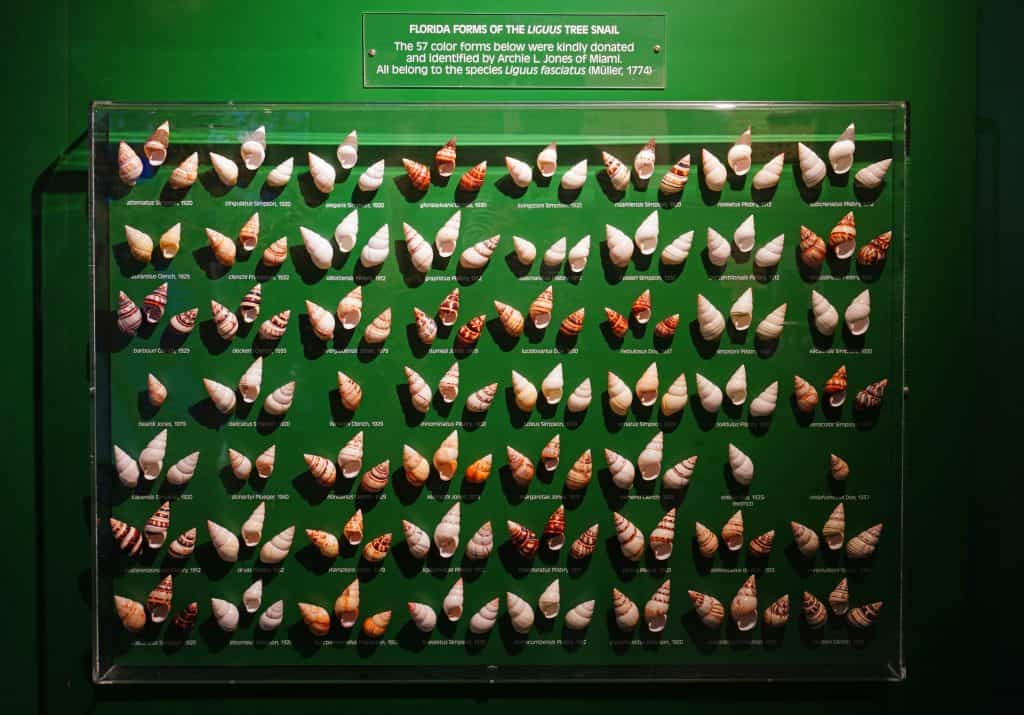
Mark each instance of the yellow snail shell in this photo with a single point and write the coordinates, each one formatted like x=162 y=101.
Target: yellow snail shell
x=446 y=458
x=675 y=397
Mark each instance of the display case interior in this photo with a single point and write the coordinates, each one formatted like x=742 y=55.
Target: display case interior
x=337 y=256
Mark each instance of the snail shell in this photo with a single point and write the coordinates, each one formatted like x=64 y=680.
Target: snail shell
x=252 y=597
x=350 y=308
x=864 y=544
x=445 y=157
x=579 y=616
x=473 y=180
x=770 y=327
x=575 y=176
x=377 y=548
x=581 y=472
x=554 y=530
x=555 y=253
x=732 y=532
x=525 y=251
x=419 y=391
x=140 y=244
x=618 y=173
x=714 y=171
x=131 y=613
x=182 y=471
x=709 y=394
x=814 y=611
x=275 y=254
x=619 y=395
x=481 y=543
x=480 y=469
x=511 y=319
x=127 y=468
x=646 y=236
x=541 y=307
x=453 y=601
x=448 y=387
x=225 y=168
x=322 y=172
x=736 y=387
x=225 y=614
x=872 y=175
x=520 y=613
x=742 y=311
x=812 y=168
x=621 y=469
x=524 y=540
x=761 y=546
x=525 y=392
x=840 y=154
x=426 y=327
x=249 y=234
x=620 y=247
x=224 y=542
x=643 y=162
x=627 y=615
x=151 y=458
x=222 y=246
x=806 y=540
x=520 y=466
x=769 y=174
x=319 y=248
x=709 y=609
x=812 y=248
x=416 y=540
x=777 y=614
x=743 y=608
x=678 y=475
x=858 y=313
x=353 y=529
x=826 y=317
x=252 y=528
x=185 y=321
x=631 y=539
x=707 y=542
x=423 y=616
x=585 y=543
x=871 y=396
x=376 y=250
x=272 y=617
x=483 y=620
x=481 y=400
x=739 y=154
x=839 y=599
x=864 y=616
x=273 y=328
x=346 y=605
x=838 y=467
x=547 y=160
x=129 y=165
x=649 y=461
x=446 y=458
x=376 y=478
x=126 y=536
x=578 y=254
x=448 y=235
x=520 y=171
x=184 y=545
x=419 y=174
x=379 y=328
x=350 y=456
x=280 y=400
x=678 y=250
x=663 y=536
x=281 y=174
x=764 y=404
x=347 y=231
x=550 y=600
x=416 y=466
x=675 y=397
x=275 y=550
x=573 y=323
x=254 y=149
x=249 y=383
x=316 y=618
x=224 y=321
x=744 y=235
x=805 y=395
x=155 y=529
x=348 y=150
x=676 y=177
x=709 y=319
x=580 y=398
x=842 y=239
x=769 y=255
x=550 y=454
x=477 y=256
x=186 y=173
x=420 y=253
x=323 y=470
x=617 y=322
x=371 y=179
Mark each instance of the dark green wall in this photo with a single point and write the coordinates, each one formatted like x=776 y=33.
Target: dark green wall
x=65 y=53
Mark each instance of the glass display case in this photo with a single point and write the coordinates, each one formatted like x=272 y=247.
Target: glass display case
x=672 y=353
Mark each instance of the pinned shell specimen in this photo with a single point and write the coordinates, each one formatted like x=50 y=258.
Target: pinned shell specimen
x=649 y=461
x=481 y=543
x=743 y=236
x=777 y=614
x=547 y=160
x=573 y=323
x=839 y=599
x=709 y=394
x=151 y=458
x=319 y=248
x=371 y=179
x=249 y=234
x=643 y=162
x=732 y=532
x=812 y=168
x=585 y=543
x=480 y=469
x=707 y=542
x=761 y=546
x=448 y=311
x=225 y=614
x=473 y=179
x=346 y=605
x=185 y=173
x=874 y=251
x=322 y=172
x=736 y=387
x=552 y=385
x=872 y=175
x=520 y=466
x=618 y=173
x=470 y=332
x=524 y=250
x=376 y=250
x=805 y=395
x=483 y=620
x=840 y=154
x=222 y=396
x=416 y=540
x=631 y=539
x=678 y=250
x=675 y=397
x=324 y=542
x=843 y=237
x=835 y=387
x=275 y=254
x=858 y=313
x=678 y=475
x=224 y=321
x=769 y=175
x=574 y=178
x=814 y=611
x=129 y=165
x=446 y=458
x=620 y=247
x=316 y=618
x=617 y=322
x=423 y=616
x=555 y=253
x=419 y=391
x=719 y=249
x=806 y=540
x=280 y=400
x=479 y=254
x=646 y=236
x=838 y=467
x=154 y=303
x=377 y=548
x=663 y=536
x=127 y=468
x=353 y=529
x=554 y=529
x=252 y=378
x=184 y=545
x=864 y=616
x=379 y=328
x=446 y=534
x=550 y=454
x=252 y=597
x=322 y=470
x=826 y=317
x=444 y=158
x=520 y=613
x=676 y=177
x=185 y=321
x=641 y=308
x=140 y=244
x=129 y=317
x=224 y=542
x=225 y=168
x=770 y=253
x=739 y=154
x=377 y=624
x=511 y=319
x=156 y=392
x=272 y=617
x=619 y=395
x=525 y=392
x=448 y=387
x=579 y=616
x=426 y=328
x=254 y=149
x=621 y=469
x=864 y=544
x=186 y=618
x=350 y=456
x=131 y=613
x=376 y=478
x=742 y=311
x=281 y=174
x=453 y=600
x=709 y=319
x=743 y=608
x=871 y=396
x=524 y=540
x=550 y=600
x=252 y=529
x=419 y=174
x=714 y=171
x=709 y=609
x=348 y=150
x=346 y=232
x=157 y=525
x=420 y=253
x=764 y=404
x=275 y=550
x=770 y=327
x=578 y=254
x=579 y=399
x=416 y=465
x=627 y=615
x=127 y=537
x=812 y=248
x=520 y=171
x=480 y=401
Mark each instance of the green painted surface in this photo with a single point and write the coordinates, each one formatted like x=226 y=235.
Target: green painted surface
x=146 y=52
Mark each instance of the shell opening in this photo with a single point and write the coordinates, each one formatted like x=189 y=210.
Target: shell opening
x=656 y=624
x=556 y=542
x=662 y=550
x=845 y=249
x=348 y=618
x=158 y=612
x=746 y=621
x=837 y=399
x=647 y=397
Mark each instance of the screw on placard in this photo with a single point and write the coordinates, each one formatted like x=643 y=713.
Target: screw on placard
x=906 y=390
x=372 y=52
x=657 y=49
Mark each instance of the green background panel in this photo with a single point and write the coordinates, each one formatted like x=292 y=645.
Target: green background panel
x=71 y=53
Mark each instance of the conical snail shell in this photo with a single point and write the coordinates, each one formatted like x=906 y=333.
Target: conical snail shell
x=618 y=173
x=348 y=150
x=835 y=387
x=416 y=466
x=678 y=250
x=157 y=525
x=553 y=384
x=421 y=255
x=764 y=404
x=448 y=311
x=127 y=468
x=617 y=322
x=249 y=308
x=812 y=248
x=276 y=253
x=826 y=317
x=864 y=544
x=555 y=253
x=480 y=401
x=224 y=542
x=520 y=171
x=186 y=618
x=839 y=599
x=520 y=613
x=140 y=244
x=376 y=478
x=350 y=308
x=481 y=543
x=322 y=469
x=871 y=396
x=184 y=545
x=709 y=319
x=620 y=397
x=709 y=609
x=241 y=466
x=641 y=308
x=742 y=310
x=840 y=154
x=371 y=179
x=346 y=606
x=379 y=328
x=281 y=174
x=446 y=458
x=446 y=534
x=129 y=165
x=252 y=597
x=814 y=611
x=376 y=250
x=224 y=321
x=656 y=610
x=350 y=457
x=131 y=613
x=254 y=149
x=280 y=400
x=843 y=237
x=419 y=174
x=550 y=454
x=646 y=236
x=154 y=304
x=322 y=172
x=520 y=466
x=676 y=177
x=770 y=327
x=864 y=616
x=736 y=387
x=675 y=397
x=479 y=254
x=649 y=461
x=631 y=539
x=739 y=154
x=423 y=616
x=554 y=530
x=448 y=387
x=858 y=313
x=249 y=234
x=838 y=467
x=643 y=162
x=732 y=532
x=806 y=540
x=743 y=608
x=252 y=529
x=627 y=615
x=272 y=617
x=776 y=615
x=470 y=332
x=127 y=537
x=805 y=395
x=585 y=543
x=579 y=616
x=185 y=321
x=129 y=317
x=578 y=254
x=744 y=235
x=573 y=323
x=185 y=173
x=550 y=600
x=483 y=620
x=872 y=175
x=182 y=471
x=377 y=548
x=707 y=542
x=525 y=251
x=761 y=546
x=575 y=176
x=580 y=473
x=812 y=168
x=321 y=321
x=547 y=160
x=875 y=251
x=321 y=253
x=275 y=550
x=419 y=391
x=525 y=392
x=453 y=601
x=445 y=157
x=524 y=540
x=709 y=394
x=511 y=319
x=769 y=174
x=151 y=458
x=714 y=171
x=225 y=168
x=473 y=179
x=416 y=540
x=663 y=536
x=316 y=618
x=252 y=378
x=621 y=469
x=678 y=475
x=770 y=253
x=579 y=399
x=155 y=390
x=353 y=529
x=349 y=391
x=620 y=247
